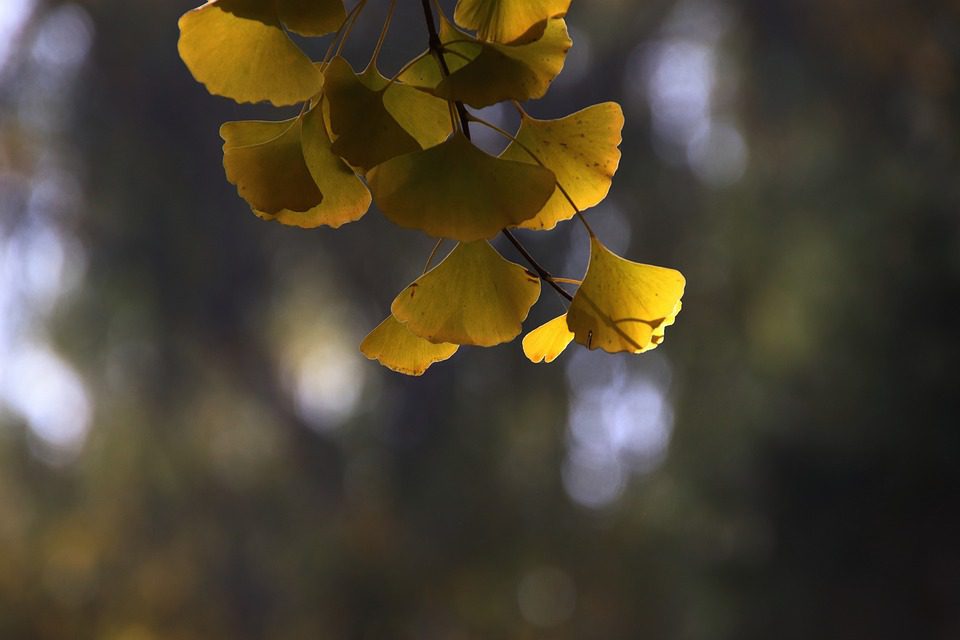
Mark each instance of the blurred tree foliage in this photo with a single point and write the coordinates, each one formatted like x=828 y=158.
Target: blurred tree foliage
x=811 y=485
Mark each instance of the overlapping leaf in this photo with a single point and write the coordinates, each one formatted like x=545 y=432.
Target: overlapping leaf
x=581 y=150
x=265 y=161
x=455 y=190
x=395 y=347
x=548 y=341
x=474 y=297
x=508 y=21
x=287 y=172
x=345 y=197
x=425 y=173
x=484 y=73
x=365 y=131
x=623 y=305
x=238 y=48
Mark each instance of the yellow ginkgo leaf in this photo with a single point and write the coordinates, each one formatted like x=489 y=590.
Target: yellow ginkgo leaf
x=484 y=73
x=422 y=115
x=265 y=161
x=396 y=348
x=365 y=132
x=474 y=297
x=581 y=150
x=311 y=17
x=508 y=21
x=238 y=49
x=455 y=190
x=345 y=197
x=623 y=305
x=547 y=342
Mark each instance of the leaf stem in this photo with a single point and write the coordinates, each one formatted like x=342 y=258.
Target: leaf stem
x=383 y=34
x=350 y=18
x=433 y=254
x=541 y=272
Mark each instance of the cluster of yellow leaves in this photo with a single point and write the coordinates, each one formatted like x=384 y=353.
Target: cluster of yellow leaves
x=398 y=142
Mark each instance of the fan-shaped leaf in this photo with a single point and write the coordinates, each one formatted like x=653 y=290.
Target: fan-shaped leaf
x=623 y=305
x=265 y=161
x=365 y=132
x=547 y=342
x=581 y=149
x=345 y=197
x=455 y=190
x=238 y=49
x=424 y=116
x=311 y=17
x=508 y=21
x=396 y=348
x=484 y=73
x=473 y=297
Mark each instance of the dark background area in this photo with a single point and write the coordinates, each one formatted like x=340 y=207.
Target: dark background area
x=191 y=445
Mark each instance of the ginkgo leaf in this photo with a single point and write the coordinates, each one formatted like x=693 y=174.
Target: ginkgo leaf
x=311 y=17
x=484 y=73
x=455 y=190
x=474 y=296
x=623 y=305
x=508 y=21
x=548 y=341
x=396 y=348
x=238 y=49
x=422 y=115
x=581 y=150
x=345 y=197
x=265 y=161
x=365 y=132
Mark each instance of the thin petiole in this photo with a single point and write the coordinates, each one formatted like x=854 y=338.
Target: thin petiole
x=432 y=255
x=355 y=12
x=350 y=17
x=383 y=34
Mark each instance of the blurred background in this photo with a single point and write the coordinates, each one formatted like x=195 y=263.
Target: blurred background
x=191 y=445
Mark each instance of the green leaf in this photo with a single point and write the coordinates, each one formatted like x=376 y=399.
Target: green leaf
x=581 y=150
x=396 y=348
x=455 y=190
x=624 y=305
x=238 y=49
x=474 y=296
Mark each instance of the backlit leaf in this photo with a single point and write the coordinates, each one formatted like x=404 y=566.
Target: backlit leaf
x=484 y=73
x=238 y=49
x=455 y=190
x=365 y=132
x=547 y=342
x=265 y=161
x=581 y=149
x=623 y=305
x=424 y=116
x=311 y=17
x=345 y=197
x=508 y=21
x=396 y=348
x=474 y=296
